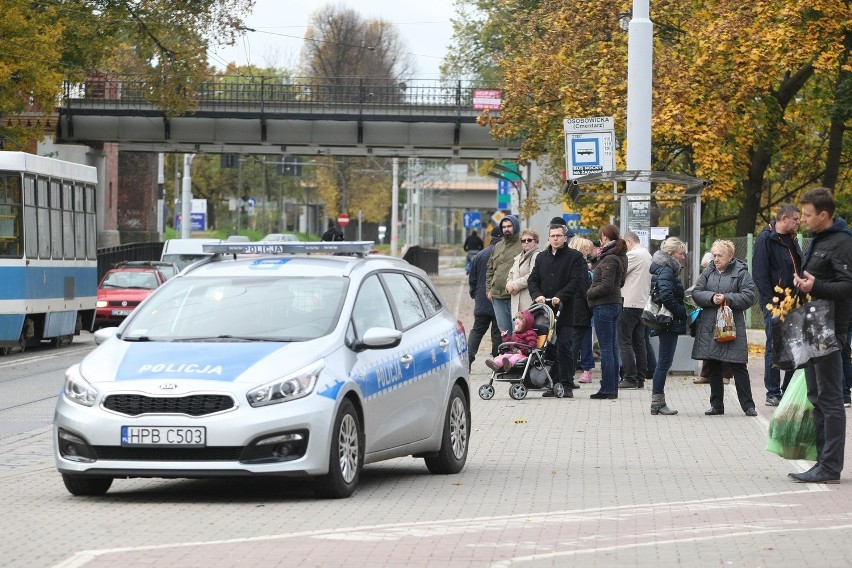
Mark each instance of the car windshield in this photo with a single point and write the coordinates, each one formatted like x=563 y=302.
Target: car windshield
x=127 y=279
x=247 y=308
x=184 y=260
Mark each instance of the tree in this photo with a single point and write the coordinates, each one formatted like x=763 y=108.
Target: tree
x=355 y=61
x=741 y=91
x=44 y=43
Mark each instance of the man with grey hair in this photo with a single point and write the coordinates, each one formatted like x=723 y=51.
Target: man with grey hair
x=777 y=259
x=631 y=331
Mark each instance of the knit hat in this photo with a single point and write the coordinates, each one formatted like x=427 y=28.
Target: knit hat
x=496 y=232
x=558 y=221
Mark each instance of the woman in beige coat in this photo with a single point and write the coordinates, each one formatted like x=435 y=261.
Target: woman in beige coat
x=516 y=283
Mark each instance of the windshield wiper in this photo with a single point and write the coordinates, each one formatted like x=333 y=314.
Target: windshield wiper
x=137 y=338
x=225 y=338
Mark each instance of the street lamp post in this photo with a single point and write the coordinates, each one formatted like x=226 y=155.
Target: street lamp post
x=640 y=62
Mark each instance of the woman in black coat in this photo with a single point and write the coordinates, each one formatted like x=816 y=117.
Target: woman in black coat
x=604 y=298
x=665 y=267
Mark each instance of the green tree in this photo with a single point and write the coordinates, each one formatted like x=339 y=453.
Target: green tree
x=743 y=93
x=44 y=43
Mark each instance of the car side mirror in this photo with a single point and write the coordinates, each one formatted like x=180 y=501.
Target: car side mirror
x=378 y=338
x=104 y=333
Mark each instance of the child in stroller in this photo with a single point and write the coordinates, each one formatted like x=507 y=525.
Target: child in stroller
x=524 y=338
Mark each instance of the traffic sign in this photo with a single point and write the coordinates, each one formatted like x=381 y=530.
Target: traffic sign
x=589 y=145
x=504 y=193
x=472 y=219
x=343 y=219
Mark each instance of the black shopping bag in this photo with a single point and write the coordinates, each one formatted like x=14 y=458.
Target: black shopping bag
x=806 y=333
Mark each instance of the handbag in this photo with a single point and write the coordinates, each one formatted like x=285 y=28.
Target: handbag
x=792 y=433
x=725 y=329
x=807 y=333
x=655 y=315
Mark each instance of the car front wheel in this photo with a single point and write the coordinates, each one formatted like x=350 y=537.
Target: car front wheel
x=86 y=486
x=346 y=456
x=453 y=453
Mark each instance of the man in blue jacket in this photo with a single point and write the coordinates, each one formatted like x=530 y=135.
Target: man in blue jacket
x=827 y=275
x=777 y=258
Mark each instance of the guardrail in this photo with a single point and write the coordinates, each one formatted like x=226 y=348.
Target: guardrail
x=273 y=94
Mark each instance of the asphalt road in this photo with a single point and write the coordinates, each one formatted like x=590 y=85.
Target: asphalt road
x=548 y=483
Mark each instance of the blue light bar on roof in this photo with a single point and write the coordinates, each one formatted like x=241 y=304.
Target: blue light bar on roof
x=260 y=247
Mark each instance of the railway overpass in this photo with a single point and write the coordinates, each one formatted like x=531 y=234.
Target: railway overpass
x=305 y=117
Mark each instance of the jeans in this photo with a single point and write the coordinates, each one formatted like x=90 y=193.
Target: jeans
x=649 y=354
x=503 y=313
x=477 y=332
x=772 y=375
x=741 y=379
x=668 y=344
x=631 y=344
x=825 y=391
x=606 y=328
x=581 y=347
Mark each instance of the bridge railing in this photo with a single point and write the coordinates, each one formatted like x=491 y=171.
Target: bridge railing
x=266 y=93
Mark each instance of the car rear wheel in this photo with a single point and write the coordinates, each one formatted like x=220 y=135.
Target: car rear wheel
x=346 y=456
x=453 y=453
x=86 y=486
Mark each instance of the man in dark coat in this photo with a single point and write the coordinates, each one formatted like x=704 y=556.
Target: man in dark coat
x=555 y=279
x=777 y=257
x=472 y=245
x=483 y=309
x=827 y=275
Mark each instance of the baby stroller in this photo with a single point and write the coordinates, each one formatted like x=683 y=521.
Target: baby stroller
x=534 y=371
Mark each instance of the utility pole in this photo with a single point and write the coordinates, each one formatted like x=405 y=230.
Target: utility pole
x=640 y=62
x=186 y=198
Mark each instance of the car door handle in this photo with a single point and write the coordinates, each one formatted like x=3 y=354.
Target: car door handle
x=407 y=360
x=444 y=343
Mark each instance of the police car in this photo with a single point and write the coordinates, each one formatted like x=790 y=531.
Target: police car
x=280 y=359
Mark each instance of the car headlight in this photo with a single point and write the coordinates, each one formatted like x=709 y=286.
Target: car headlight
x=290 y=387
x=77 y=389
x=102 y=303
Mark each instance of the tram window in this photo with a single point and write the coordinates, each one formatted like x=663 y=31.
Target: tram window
x=91 y=227
x=68 y=220
x=79 y=223
x=10 y=216
x=43 y=223
x=55 y=219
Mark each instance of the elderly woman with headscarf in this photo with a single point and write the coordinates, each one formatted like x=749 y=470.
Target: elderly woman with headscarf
x=726 y=282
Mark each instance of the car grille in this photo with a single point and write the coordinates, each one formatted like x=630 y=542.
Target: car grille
x=192 y=405
x=224 y=453
x=123 y=303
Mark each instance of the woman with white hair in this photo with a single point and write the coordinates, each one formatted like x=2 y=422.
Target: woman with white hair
x=728 y=283
x=665 y=267
x=704 y=376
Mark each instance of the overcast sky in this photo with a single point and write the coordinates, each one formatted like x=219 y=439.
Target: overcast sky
x=424 y=25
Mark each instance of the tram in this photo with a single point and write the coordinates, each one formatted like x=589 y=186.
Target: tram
x=48 y=250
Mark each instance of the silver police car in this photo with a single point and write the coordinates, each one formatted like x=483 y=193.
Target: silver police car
x=271 y=359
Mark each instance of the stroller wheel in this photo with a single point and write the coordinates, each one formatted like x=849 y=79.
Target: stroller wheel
x=518 y=391
x=558 y=390
x=486 y=392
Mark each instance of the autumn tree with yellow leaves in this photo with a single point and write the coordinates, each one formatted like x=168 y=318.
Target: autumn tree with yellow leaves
x=45 y=43
x=755 y=96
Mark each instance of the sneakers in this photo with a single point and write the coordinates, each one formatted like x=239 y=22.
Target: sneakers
x=701 y=380
x=773 y=400
x=751 y=411
x=625 y=384
x=586 y=377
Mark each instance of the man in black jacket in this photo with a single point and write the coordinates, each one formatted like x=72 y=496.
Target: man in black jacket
x=483 y=310
x=827 y=274
x=555 y=279
x=777 y=257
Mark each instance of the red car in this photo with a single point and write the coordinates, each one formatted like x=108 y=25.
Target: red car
x=124 y=287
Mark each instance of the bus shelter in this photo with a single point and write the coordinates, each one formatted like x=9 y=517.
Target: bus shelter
x=656 y=215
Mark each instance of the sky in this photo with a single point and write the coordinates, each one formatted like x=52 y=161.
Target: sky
x=424 y=25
